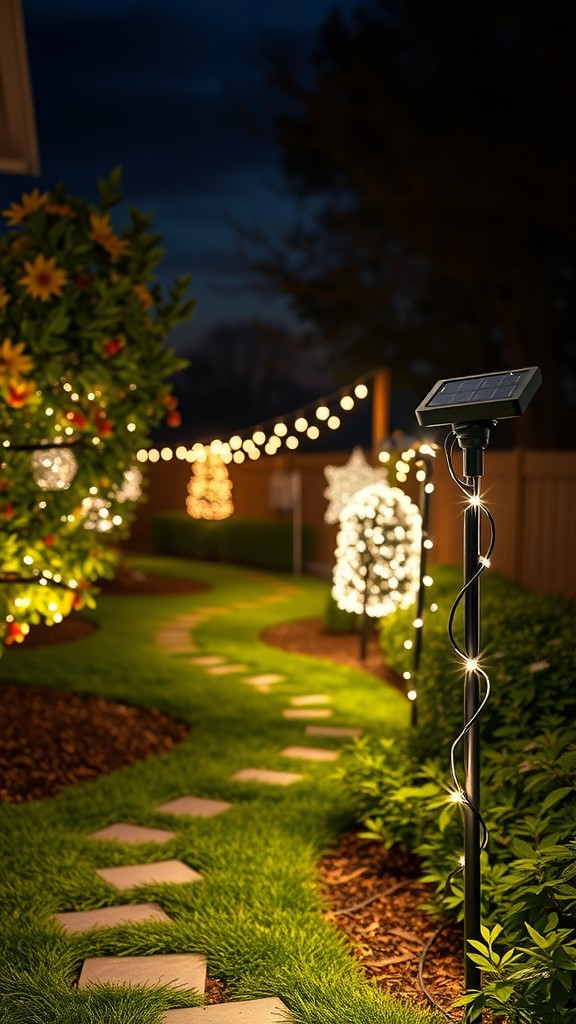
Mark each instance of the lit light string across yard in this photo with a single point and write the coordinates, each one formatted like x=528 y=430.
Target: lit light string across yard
x=282 y=433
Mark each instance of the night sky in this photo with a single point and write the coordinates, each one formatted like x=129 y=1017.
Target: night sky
x=164 y=90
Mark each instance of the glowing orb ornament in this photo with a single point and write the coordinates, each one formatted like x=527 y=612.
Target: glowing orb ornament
x=378 y=552
x=53 y=469
x=345 y=481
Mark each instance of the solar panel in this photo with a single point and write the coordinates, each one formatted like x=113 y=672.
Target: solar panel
x=488 y=396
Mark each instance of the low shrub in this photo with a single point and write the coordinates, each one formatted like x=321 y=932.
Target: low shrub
x=528 y=791
x=263 y=543
x=338 y=621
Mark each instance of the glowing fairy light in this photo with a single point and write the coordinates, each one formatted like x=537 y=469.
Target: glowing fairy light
x=412 y=695
x=347 y=403
x=364 y=579
x=322 y=412
x=361 y=391
x=301 y=424
x=344 y=481
x=280 y=429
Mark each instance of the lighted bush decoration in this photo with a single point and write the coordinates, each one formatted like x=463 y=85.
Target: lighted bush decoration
x=209 y=487
x=377 y=552
x=84 y=376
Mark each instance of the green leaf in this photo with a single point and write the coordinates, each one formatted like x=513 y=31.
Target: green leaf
x=555 y=796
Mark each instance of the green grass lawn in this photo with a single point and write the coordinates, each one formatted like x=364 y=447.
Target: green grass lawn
x=256 y=913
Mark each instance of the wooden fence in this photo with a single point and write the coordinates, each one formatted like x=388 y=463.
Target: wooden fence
x=531 y=494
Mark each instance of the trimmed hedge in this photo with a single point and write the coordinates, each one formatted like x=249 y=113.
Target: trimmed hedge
x=263 y=543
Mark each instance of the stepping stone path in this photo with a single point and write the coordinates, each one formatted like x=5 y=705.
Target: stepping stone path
x=129 y=876
x=251 y=1011
x=310 y=698
x=188 y=970
x=264 y=679
x=124 y=833
x=264 y=775
x=194 y=806
x=177 y=970
x=310 y=753
x=108 y=917
x=307 y=713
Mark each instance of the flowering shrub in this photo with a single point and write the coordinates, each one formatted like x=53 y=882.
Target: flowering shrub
x=84 y=376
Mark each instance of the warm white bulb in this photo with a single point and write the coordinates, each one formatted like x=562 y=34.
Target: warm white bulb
x=280 y=429
x=347 y=402
x=407 y=675
x=333 y=422
x=408 y=645
x=417 y=623
x=313 y=433
x=301 y=423
x=456 y=797
x=259 y=437
x=429 y=488
x=322 y=412
x=428 y=544
x=361 y=391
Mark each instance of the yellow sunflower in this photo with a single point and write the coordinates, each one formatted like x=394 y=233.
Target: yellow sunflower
x=142 y=293
x=4 y=299
x=43 y=278
x=115 y=247
x=13 y=363
x=101 y=228
x=103 y=234
x=31 y=202
x=60 y=210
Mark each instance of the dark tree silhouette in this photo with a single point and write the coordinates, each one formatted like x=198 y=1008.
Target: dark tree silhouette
x=429 y=145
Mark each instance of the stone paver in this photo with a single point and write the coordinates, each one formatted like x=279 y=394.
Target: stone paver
x=310 y=753
x=194 y=806
x=264 y=679
x=159 y=873
x=224 y=670
x=307 y=713
x=333 y=730
x=177 y=970
x=264 y=775
x=310 y=698
x=109 y=917
x=250 y=1011
x=208 y=659
x=122 y=832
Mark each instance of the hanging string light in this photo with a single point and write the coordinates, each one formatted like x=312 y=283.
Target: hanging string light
x=273 y=436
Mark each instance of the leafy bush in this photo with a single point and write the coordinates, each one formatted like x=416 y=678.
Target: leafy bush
x=262 y=543
x=336 y=620
x=528 y=792
x=84 y=376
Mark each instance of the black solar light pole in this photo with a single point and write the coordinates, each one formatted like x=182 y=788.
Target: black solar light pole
x=471 y=406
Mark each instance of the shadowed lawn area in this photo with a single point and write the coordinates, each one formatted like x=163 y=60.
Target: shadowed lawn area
x=256 y=913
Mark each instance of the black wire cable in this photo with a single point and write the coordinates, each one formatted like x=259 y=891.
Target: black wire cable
x=422 y=964
x=470 y=490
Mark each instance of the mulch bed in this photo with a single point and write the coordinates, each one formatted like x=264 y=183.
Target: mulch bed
x=51 y=739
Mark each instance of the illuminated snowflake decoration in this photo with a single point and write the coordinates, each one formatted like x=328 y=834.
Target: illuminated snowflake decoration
x=345 y=481
x=378 y=552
